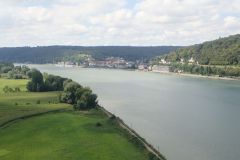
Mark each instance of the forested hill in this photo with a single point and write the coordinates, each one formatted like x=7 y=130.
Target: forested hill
x=223 y=51
x=50 y=54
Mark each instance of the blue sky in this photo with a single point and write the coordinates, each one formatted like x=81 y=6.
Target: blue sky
x=111 y=22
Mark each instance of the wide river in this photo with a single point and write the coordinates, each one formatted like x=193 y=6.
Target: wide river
x=185 y=118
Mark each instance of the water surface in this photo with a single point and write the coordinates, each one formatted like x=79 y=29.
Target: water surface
x=185 y=118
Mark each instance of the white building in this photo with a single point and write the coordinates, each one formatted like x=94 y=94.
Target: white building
x=163 y=61
x=159 y=68
x=191 y=60
x=182 y=61
x=142 y=67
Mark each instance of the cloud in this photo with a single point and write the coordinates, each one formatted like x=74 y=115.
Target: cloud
x=111 y=22
x=231 y=22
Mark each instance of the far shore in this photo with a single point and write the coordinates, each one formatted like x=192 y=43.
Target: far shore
x=166 y=73
x=199 y=76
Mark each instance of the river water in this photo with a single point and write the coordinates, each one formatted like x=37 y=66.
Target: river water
x=185 y=118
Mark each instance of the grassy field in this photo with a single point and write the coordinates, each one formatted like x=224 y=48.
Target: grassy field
x=14 y=105
x=67 y=136
x=62 y=135
x=21 y=83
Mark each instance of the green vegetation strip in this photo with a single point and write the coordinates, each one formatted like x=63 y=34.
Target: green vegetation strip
x=68 y=135
x=36 y=126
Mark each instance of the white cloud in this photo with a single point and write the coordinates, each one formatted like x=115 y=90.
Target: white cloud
x=111 y=22
x=231 y=22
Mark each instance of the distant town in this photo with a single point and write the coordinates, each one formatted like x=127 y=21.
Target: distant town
x=120 y=63
x=109 y=62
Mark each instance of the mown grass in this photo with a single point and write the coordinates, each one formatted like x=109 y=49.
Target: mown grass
x=21 y=83
x=14 y=105
x=67 y=135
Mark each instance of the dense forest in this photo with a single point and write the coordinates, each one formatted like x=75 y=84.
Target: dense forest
x=49 y=54
x=223 y=51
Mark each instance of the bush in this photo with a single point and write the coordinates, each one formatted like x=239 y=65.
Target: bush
x=38 y=102
x=17 y=89
x=7 y=89
x=17 y=76
x=98 y=124
x=135 y=140
x=81 y=97
x=54 y=83
x=151 y=156
x=81 y=105
x=113 y=117
x=36 y=84
x=6 y=69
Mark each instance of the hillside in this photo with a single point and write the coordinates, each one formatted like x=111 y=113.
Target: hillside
x=50 y=54
x=223 y=51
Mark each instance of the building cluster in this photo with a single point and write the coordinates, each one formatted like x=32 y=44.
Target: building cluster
x=163 y=61
x=190 y=61
x=121 y=63
x=109 y=62
x=163 y=65
x=182 y=61
x=154 y=68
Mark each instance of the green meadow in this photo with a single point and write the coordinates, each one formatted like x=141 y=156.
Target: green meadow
x=67 y=134
x=23 y=103
x=21 y=83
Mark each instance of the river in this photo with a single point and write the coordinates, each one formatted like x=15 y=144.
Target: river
x=186 y=118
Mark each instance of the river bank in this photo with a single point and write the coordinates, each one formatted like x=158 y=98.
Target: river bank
x=166 y=73
x=198 y=76
x=132 y=132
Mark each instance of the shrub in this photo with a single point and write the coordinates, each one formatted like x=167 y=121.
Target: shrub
x=151 y=156
x=136 y=141
x=81 y=105
x=7 y=89
x=6 y=69
x=17 y=76
x=38 y=102
x=36 y=84
x=17 y=89
x=113 y=117
x=54 y=83
x=98 y=124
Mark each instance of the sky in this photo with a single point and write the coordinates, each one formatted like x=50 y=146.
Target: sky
x=116 y=22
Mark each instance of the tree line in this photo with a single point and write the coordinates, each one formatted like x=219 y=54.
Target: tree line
x=222 y=71
x=8 y=70
x=50 y=54
x=73 y=93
